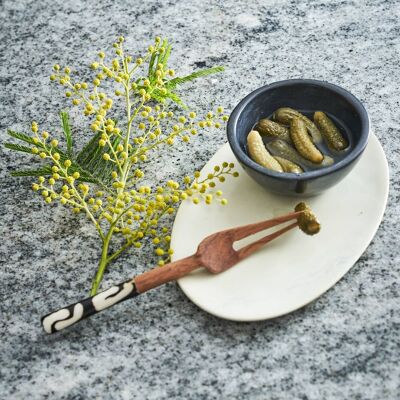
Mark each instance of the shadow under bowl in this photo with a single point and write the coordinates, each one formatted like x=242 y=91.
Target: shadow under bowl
x=305 y=95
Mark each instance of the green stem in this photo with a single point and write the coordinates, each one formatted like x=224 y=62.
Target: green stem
x=118 y=252
x=102 y=264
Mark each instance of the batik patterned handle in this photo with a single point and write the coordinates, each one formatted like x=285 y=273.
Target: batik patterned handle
x=73 y=313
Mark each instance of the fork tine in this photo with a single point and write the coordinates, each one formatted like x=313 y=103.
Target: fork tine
x=252 y=247
x=247 y=230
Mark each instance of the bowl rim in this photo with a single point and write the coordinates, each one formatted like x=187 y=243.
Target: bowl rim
x=345 y=161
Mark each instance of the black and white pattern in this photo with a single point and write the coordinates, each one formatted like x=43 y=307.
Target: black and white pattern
x=67 y=316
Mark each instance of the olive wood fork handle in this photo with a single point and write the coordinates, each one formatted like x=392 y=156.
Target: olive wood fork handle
x=169 y=272
x=74 y=313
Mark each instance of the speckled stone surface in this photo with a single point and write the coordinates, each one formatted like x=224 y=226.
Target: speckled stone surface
x=345 y=345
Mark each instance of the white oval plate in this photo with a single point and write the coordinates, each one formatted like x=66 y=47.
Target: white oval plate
x=294 y=269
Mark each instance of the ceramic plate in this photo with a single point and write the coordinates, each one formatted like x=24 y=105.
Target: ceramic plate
x=294 y=269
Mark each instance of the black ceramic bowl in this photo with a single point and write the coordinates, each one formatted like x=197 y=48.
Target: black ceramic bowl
x=303 y=95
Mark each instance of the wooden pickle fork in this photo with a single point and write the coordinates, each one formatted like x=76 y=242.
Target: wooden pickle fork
x=215 y=253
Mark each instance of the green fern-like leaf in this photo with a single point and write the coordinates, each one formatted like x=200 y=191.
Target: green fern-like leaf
x=173 y=83
x=161 y=98
x=67 y=132
x=43 y=171
x=151 y=70
x=90 y=159
x=90 y=165
x=157 y=96
x=18 y=147
x=176 y=99
x=158 y=58
x=165 y=56
x=22 y=137
x=47 y=171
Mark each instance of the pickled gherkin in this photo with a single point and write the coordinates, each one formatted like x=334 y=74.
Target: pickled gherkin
x=266 y=127
x=330 y=132
x=303 y=142
x=327 y=161
x=284 y=115
x=307 y=220
x=260 y=154
x=289 y=166
x=280 y=148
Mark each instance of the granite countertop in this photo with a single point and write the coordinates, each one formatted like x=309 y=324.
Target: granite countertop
x=345 y=345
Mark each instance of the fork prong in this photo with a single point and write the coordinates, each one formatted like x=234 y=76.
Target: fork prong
x=252 y=247
x=247 y=230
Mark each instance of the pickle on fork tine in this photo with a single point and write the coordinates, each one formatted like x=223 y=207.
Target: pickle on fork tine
x=303 y=142
x=308 y=221
x=260 y=154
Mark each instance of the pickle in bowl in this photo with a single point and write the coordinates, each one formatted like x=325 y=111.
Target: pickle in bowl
x=330 y=132
x=266 y=127
x=259 y=153
x=302 y=141
x=285 y=116
x=289 y=166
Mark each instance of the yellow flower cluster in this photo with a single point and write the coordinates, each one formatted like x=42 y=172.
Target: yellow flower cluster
x=126 y=207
